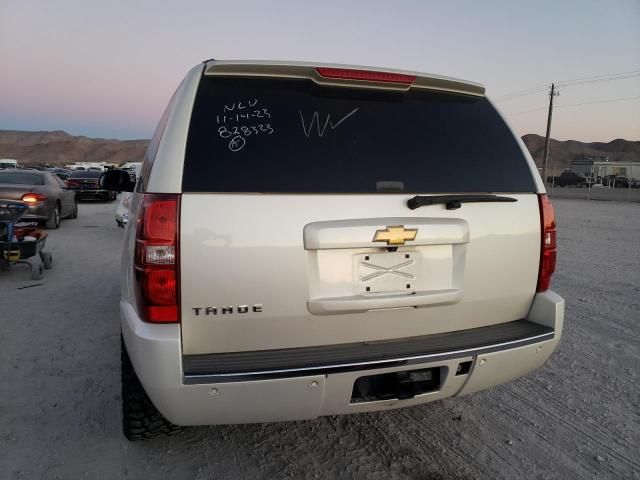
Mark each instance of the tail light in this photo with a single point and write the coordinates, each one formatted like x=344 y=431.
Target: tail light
x=156 y=258
x=71 y=183
x=548 y=243
x=369 y=75
x=33 y=198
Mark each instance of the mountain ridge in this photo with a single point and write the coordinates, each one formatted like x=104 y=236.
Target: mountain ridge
x=58 y=147
x=562 y=152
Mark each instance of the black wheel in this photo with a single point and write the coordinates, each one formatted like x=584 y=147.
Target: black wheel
x=47 y=260
x=74 y=212
x=54 y=219
x=141 y=420
x=37 y=270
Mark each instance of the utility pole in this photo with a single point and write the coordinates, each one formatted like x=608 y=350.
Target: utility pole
x=552 y=93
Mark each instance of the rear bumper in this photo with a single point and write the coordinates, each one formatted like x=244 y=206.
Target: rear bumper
x=37 y=213
x=202 y=391
x=91 y=194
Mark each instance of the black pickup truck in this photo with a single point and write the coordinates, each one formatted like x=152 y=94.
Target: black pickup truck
x=568 y=178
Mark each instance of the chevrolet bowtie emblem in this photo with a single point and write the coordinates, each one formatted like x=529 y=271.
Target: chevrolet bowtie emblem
x=395 y=235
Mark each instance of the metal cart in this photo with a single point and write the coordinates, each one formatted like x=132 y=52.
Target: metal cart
x=13 y=251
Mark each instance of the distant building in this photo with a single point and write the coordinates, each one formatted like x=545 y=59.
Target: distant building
x=599 y=169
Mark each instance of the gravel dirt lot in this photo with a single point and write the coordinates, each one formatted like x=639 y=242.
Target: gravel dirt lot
x=577 y=417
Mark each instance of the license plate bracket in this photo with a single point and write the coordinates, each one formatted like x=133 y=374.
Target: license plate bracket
x=387 y=272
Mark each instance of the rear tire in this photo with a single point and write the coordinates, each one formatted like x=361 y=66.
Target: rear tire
x=54 y=221
x=141 y=420
x=74 y=212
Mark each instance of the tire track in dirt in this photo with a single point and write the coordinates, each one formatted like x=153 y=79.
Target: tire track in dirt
x=438 y=434
x=562 y=410
x=532 y=443
x=574 y=426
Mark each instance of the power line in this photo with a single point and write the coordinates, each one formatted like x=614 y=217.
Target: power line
x=575 y=105
x=573 y=82
x=600 y=76
x=598 y=80
x=599 y=101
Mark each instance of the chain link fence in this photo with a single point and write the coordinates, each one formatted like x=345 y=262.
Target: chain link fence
x=595 y=192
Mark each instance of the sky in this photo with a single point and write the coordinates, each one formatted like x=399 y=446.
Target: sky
x=108 y=69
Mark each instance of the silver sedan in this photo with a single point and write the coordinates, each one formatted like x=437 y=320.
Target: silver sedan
x=48 y=197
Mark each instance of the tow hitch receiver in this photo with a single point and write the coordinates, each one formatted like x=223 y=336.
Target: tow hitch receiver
x=395 y=385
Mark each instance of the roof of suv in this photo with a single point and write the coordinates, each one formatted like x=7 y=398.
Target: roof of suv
x=310 y=70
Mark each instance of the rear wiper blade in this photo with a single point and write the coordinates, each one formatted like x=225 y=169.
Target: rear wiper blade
x=453 y=202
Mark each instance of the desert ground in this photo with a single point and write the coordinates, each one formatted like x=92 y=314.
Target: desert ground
x=576 y=417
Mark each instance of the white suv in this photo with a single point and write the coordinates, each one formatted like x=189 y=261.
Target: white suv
x=311 y=240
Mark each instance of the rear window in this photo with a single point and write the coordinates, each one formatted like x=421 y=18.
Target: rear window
x=293 y=136
x=21 y=178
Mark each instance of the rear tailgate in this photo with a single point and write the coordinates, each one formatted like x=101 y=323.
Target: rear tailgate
x=262 y=260
x=83 y=183
x=295 y=229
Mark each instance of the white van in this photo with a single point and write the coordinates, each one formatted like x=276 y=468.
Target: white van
x=8 y=163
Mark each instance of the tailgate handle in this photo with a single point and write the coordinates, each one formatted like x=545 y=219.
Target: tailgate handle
x=359 y=233
x=364 y=303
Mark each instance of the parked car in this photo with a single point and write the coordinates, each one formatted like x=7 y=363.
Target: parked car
x=622 y=182
x=608 y=180
x=48 y=197
x=85 y=184
x=61 y=173
x=317 y=240
x=133 y=168
x=122 y=210
x=133 y=173
x=568 y=179
x=617 y=181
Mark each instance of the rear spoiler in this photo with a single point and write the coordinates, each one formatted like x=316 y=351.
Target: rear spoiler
x=343 y=76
